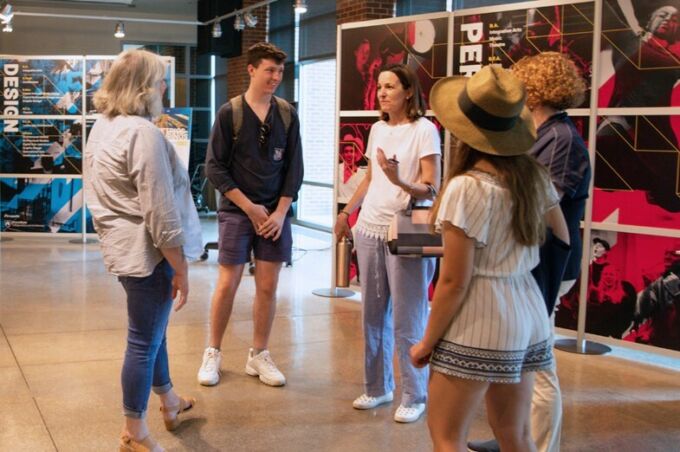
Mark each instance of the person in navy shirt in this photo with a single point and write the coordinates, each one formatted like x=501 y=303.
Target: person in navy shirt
x=553 y=84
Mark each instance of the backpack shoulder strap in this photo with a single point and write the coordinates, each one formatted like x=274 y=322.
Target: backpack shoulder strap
x=236 y=103
x=285 y=110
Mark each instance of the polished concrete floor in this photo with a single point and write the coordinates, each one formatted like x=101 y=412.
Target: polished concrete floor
x=62 y=336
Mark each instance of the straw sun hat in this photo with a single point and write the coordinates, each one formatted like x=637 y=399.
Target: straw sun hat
x=485 y=111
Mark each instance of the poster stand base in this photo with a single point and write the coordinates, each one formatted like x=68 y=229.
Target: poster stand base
x=335 y=292
x=84 y=242
x=590 y=348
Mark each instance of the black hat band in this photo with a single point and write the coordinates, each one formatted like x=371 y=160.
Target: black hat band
x=483 y=119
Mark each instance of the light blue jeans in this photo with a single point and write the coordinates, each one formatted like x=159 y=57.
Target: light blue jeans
x=394 y=291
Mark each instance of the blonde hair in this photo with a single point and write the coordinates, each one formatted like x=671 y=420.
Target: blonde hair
x=130 y=87
x=526 y=180
x=551 y=79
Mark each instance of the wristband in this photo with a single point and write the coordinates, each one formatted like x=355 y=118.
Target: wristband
x=345 y=212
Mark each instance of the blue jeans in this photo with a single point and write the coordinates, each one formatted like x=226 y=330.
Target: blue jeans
x=394 y=293
x=149 y=300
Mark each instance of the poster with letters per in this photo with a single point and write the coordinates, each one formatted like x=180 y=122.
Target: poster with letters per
x=505 y=37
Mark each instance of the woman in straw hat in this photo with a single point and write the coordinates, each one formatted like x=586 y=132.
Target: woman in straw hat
x=488 y=329
x=404 y=162
x=139 y=196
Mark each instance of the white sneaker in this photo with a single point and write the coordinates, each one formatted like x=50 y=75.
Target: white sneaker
x=409 y=413
x=209 y=373
x=366 y=402
x=262 y=365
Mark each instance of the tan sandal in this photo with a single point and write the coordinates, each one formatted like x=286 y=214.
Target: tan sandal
x=185 y=404
x=128 y=444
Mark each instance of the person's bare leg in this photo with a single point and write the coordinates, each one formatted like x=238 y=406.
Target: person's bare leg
x=452 y=402
x=222 y=301
x=508 y=407
x=264 y=307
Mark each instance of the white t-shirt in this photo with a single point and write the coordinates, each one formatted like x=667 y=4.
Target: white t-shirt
x=409 y=142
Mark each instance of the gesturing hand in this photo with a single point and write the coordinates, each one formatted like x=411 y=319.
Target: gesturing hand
x=389 y=166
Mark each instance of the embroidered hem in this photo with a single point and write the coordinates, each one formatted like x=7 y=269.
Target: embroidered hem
x=373 y=231
x=496 y=366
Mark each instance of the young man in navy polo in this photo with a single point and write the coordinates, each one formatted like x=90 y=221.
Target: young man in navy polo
x=254 y=159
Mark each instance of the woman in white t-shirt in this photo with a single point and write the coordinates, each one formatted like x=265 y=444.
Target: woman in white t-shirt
x=404 y=162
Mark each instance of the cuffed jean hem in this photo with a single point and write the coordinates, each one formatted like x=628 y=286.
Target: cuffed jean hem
x=133 y=414
x=162 y=389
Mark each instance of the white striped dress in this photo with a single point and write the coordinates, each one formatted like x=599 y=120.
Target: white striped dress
x=502 y=328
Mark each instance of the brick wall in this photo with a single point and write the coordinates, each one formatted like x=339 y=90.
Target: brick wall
x=237 y=76
x=357 y=10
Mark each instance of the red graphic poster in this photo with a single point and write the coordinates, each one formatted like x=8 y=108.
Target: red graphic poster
x=637 y=172
x=633 y=290
x=507 y=36
x=421 y=44
x=640 y=55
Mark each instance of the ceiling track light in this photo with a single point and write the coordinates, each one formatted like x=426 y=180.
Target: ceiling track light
x=300 y=6
x=119 y=31
x=239 y=24
x=217 y=30
x=250 y=19
x=6 y=13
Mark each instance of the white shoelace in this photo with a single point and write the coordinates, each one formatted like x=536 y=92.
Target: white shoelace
x=210 y=362
x=269 y=362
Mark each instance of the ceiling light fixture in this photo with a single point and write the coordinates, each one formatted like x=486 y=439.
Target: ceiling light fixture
x=239 y=24
x=6 y=14
x=217 y=30
x=119 y=31
x=250 y=19
x=300 y=6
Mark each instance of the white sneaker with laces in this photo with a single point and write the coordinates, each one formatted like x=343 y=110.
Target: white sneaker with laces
x=366 y=402
x=409 y=413
x=209 y=373
x=262 y=365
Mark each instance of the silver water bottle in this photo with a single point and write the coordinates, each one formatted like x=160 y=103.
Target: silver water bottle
x=343 y=256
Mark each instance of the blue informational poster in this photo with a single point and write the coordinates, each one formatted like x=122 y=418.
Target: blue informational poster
x=38 y=86
x=41 y=205
x=41 y=146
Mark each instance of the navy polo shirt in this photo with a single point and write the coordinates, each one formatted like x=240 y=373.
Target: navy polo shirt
x=560 y=148
x=264 y=163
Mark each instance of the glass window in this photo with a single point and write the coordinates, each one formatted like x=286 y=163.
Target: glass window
x=200 y=92
x=315 y=205
x=317 y=119
x=412 y=7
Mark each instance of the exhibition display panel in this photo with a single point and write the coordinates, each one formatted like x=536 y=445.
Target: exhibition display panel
x=630 y=120
x=47 y=111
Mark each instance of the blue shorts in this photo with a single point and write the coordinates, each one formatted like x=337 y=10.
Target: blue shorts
x=237 y=239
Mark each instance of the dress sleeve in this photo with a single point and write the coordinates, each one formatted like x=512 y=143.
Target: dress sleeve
x=467 y=206
x=553 y=197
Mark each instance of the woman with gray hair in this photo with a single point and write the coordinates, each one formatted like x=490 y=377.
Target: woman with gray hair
x=139 y=197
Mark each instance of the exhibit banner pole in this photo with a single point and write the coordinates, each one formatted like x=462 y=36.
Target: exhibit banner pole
x=580 y=344
x=334 y=291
